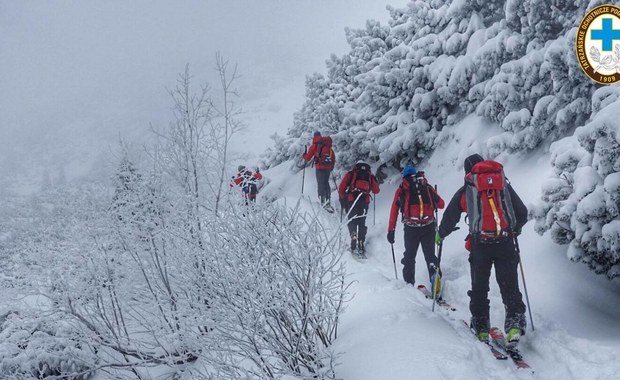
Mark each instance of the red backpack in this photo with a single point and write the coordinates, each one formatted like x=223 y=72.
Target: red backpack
x=324 y=153
x=489 y=207
x=416 y=201
x=360 y=179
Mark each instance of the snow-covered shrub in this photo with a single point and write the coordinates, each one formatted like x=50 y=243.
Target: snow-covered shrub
x=276 y=289
x=169 y=268
x=39 y=348
x=581 y=203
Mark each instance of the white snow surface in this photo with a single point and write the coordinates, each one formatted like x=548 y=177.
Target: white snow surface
x=388 y=330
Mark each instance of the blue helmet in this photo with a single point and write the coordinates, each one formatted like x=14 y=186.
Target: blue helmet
x=408 y=170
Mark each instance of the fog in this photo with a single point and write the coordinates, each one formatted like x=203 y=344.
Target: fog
x=78 y=75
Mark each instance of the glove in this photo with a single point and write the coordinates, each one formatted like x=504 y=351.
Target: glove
x=516 y=231
x=438 y=238
x=390 y=237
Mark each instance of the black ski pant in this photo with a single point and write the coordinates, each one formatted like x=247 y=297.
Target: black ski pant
x=356 y=215
x=414 y=236
x=506 y=260
x=322 y=182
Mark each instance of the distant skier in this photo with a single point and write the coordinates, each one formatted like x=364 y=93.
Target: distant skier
x=248 y=182
x=496 y=216
x=354 y=195
x=416 y=200
x=324 y=160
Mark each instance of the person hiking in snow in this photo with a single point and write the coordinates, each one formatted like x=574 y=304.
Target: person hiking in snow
x=248 y=182
x=496 y=216
x=354 y=195
x=324 y=159
x=417 y=201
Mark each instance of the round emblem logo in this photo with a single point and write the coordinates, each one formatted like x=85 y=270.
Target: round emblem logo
x=598 y=44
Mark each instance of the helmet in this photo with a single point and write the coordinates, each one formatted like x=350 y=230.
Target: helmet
x=317 y=133
x=240 y=168
x=408 y=170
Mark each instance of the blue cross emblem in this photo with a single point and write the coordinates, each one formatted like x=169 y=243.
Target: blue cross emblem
x=608 y=34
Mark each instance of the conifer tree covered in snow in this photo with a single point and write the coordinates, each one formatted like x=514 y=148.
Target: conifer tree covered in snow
x=508 y=61
x=581 y=203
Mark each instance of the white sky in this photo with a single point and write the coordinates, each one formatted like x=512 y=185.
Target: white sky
x=74 y=73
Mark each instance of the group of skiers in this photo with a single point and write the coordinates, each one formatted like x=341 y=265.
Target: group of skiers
x=494 y=212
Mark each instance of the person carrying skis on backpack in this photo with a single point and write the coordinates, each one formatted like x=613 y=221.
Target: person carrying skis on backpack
x=354 y=195
x=417 y=201
x=496 y=216
x=248 y=181
x=324 y=159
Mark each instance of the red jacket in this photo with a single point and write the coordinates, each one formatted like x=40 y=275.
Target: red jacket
x=313 y=153
x=345 y=191
x=239 y=179
x=247 y=181
x=428 y=208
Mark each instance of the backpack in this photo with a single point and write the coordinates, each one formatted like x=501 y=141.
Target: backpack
x=248 y=185
x=489 y=206
x=360 y=179
x=324 y=153
x=416 y=201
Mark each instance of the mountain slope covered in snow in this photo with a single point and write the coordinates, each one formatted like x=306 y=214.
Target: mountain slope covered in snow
x=388 y=330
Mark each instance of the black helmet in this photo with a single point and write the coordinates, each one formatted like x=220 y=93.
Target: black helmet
x=471 y=161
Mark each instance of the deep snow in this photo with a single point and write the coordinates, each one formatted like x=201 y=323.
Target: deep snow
x=388 y=330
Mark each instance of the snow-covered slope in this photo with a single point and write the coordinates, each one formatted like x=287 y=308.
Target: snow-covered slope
x=388 y=330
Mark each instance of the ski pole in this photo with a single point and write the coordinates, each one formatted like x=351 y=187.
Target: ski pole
x=527 y=298
x=374 y=210
x=437 y=277
x=303 y=176
x=437 y=274
x=394 y=261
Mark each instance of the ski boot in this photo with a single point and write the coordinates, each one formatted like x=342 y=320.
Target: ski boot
x=328 y=207
x=512 y=338
x=361 y=249
x=481 y=327
x=353 y=243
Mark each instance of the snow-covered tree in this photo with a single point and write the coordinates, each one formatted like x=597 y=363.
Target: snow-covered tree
x=144 y=273
x=389 y=98
x=581 y=203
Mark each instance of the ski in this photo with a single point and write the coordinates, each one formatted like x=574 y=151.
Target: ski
x=359 y=256
x=498 y=339
x=497 y=354
x=441 y=302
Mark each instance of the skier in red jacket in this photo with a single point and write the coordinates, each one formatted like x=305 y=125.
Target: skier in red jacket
x=248 y=181
x=416 y=201
x=354 y=194
x=324 y=160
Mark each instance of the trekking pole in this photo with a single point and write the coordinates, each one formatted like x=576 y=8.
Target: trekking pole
x=527 y=298
x=437 y=277
x=303 y=176
x=394 y=261
x=437 y=274
x=374 y=211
